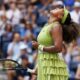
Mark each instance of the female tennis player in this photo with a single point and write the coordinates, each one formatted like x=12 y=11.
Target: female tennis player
x=50 y=42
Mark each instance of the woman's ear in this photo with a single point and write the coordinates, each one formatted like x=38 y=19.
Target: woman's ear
x=60 y=13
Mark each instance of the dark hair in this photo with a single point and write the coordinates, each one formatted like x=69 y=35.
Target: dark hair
x=23 y=21
x=68 y=19
x=70 y=32
x=70 y=29
x=6 y=27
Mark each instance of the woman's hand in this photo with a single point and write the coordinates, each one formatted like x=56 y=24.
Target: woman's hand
x=35 y=44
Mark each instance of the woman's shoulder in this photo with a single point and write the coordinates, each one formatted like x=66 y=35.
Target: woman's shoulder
x=55 y=24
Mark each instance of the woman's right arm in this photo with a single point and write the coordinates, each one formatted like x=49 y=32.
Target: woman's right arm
x=57 y=37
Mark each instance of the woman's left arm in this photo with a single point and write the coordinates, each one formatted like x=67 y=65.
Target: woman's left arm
x=56 y=34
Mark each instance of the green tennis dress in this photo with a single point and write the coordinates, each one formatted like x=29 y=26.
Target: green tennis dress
x=50 y=66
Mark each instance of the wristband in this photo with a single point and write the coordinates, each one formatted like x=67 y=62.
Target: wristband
x=41 y=47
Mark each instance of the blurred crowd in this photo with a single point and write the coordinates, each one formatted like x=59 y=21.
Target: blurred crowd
x=21 y=22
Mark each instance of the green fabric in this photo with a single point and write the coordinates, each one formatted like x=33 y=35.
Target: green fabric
x=50 y=66
x=65 y=15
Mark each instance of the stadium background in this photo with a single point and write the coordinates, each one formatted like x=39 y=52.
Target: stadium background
x=21 y=22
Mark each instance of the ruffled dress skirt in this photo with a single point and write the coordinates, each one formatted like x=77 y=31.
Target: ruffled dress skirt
x=51 y=67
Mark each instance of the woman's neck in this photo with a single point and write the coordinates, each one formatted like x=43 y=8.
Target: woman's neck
x=51 y=20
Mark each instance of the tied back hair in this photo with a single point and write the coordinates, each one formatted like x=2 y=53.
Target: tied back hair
x=70 y=30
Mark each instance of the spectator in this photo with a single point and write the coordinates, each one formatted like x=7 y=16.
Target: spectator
x=13 y=14
x=31 y=30
x=21 y=5
x=22 y=74
x=21 y=28
x=42 y=19
x=43 y=3
x=2 y=19
x=73 y=60
x=23 y=51
x=27 y=41
x=6 y=38
x=13 y=48
x=75 y=14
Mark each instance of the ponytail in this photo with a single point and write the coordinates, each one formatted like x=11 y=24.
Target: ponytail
x=70 y=29
x=70 y=32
